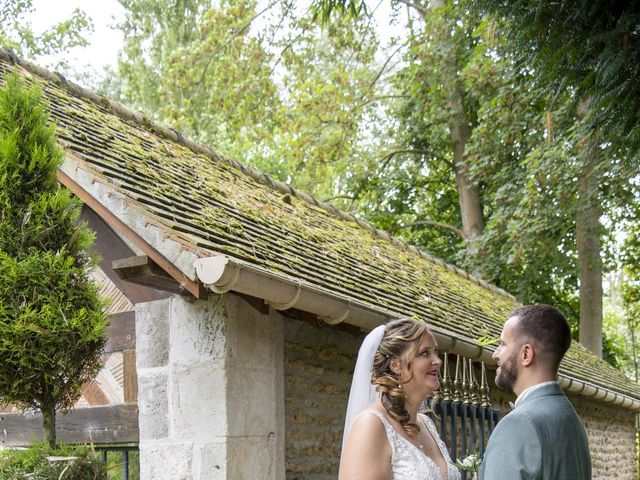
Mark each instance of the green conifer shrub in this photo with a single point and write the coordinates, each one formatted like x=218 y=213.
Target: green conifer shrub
x=51 y=318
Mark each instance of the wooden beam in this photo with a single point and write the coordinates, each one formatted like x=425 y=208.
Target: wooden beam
x=142 y=270
x=121 y=332
x=93 y=394
x=99 y=425
x=122 y=229
x=110 y=246
x=130 y=376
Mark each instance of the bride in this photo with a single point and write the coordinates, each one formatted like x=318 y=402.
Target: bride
x=385 y=438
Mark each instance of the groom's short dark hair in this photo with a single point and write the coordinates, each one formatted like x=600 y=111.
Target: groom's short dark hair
x=547 y=327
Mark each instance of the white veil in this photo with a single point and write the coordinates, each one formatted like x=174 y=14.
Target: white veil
x=362 y=393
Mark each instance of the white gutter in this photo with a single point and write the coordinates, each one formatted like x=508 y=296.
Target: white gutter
x=580 y=387
x=222 y=274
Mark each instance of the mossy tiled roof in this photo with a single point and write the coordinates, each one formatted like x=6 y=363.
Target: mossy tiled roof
x=215 y=206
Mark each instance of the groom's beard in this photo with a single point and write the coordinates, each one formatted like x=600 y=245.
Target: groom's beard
x=507 y=374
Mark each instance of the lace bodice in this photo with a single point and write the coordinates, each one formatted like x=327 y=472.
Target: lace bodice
x=408 y=462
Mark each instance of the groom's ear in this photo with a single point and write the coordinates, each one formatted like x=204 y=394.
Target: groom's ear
x=528 y=354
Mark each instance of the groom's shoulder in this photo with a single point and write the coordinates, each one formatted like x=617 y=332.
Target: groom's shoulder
x=516 y=430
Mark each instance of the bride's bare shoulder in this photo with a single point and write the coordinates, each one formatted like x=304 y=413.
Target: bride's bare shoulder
x=367 y=453
x=370 y=425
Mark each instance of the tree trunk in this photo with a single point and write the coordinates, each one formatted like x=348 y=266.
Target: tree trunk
x=49 y=425
x=460 y=131
x=468 y=194
x=634 y=355
x=588 y=212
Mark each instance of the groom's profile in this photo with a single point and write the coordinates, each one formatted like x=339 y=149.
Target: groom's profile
x=543 y=437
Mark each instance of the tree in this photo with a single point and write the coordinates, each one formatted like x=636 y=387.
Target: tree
x=16 y=32
x=593 y=49
x=590 y=46
x=629 y=324
x=285 y=98
x=446 y=46
x=414 y=189
x=51 y=318
x=440 y=82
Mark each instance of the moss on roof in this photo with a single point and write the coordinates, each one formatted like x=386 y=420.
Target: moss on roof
x=215 y=206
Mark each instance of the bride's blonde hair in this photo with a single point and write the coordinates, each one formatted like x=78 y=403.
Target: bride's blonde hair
x=400 y=336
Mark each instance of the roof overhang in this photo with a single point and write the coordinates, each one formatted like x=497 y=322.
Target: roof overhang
x=222 y=274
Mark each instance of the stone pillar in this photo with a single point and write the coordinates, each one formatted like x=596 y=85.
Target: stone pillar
x=210 y=390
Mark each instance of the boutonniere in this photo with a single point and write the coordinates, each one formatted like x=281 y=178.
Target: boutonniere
x=469 y=464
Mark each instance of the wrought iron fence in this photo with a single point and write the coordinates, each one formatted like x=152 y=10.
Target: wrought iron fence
x=123 y=461
x=462 y=410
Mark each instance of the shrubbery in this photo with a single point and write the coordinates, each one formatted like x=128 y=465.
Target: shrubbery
x=51 y=317
x=43 y=463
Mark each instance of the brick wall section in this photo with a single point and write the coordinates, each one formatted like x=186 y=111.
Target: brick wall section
x=318 y=363
x=611 y=433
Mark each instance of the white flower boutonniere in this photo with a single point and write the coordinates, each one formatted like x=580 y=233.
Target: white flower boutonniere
x=469 y=464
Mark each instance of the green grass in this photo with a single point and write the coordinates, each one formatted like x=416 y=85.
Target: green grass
x=35 y=463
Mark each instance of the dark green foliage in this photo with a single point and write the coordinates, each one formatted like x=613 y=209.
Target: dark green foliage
x=591 y=46
x=33 y=464
x=51 y=319
x=526 y=184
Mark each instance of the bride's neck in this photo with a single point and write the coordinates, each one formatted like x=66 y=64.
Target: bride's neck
x=412 y=409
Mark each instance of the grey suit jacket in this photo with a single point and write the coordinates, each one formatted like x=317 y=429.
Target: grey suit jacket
x=543 y=438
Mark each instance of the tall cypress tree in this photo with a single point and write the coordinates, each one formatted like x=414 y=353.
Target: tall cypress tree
x=51 y=318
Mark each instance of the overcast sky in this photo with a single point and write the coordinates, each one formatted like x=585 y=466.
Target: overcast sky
x=105 y=42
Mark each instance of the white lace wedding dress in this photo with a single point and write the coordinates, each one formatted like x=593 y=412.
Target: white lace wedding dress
x=409 y=463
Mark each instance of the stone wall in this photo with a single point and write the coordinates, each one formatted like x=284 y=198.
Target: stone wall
x=210 y=398
x=612 y=435
x=318 y=364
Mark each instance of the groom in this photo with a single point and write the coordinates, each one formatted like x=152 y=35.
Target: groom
x=542 y=438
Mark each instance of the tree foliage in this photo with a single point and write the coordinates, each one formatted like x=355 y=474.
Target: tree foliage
x=17 y=34
x=51 y=319
x=592 y=46
x=403 y=147
x=470 y=112
x=285 y=97
x=591 y=49
x=525 y=245
x=628 y=325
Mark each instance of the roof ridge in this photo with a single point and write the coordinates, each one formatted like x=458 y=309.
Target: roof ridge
x=7 y=55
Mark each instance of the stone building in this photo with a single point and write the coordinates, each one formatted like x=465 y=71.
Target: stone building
x=239 y=304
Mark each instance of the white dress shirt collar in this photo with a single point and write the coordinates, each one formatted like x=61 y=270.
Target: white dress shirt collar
x=527 y=391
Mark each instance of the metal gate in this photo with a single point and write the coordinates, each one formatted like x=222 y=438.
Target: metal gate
x=462 y=410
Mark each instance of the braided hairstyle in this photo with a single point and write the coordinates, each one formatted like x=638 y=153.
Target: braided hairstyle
x=400 y=336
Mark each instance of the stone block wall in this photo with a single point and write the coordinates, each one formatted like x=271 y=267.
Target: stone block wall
x=210 y=398
x=318 y=364
x=612 y=433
